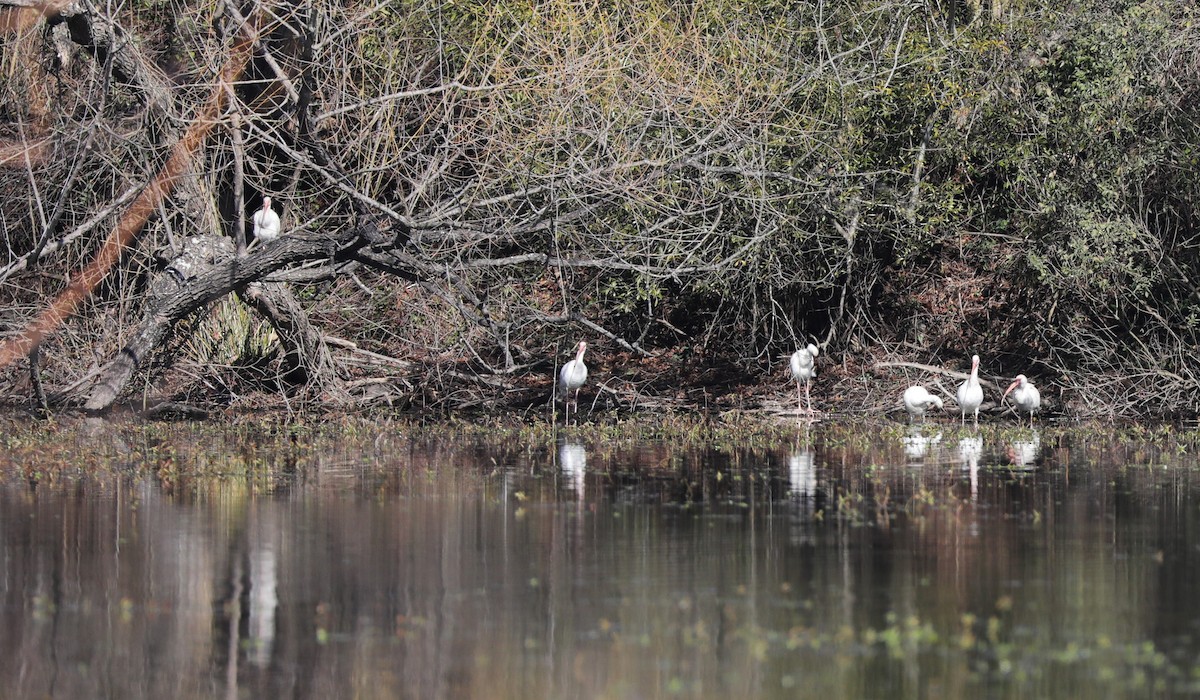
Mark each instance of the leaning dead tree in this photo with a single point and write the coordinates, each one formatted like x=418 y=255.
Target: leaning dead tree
x=191 y=279
x=465 y=191
x=473 y=179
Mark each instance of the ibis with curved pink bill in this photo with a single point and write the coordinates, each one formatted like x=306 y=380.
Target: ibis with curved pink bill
x=1026 y=396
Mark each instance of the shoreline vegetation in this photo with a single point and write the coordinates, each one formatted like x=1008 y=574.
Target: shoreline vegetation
x=281 y=428
x=695 y=189
x=274 y=449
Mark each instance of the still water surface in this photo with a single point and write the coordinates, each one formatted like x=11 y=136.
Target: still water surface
x=838 y=562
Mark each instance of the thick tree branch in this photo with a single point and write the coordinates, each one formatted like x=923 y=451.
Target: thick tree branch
x=212 y=283
x=148 y=201
x=306 y=358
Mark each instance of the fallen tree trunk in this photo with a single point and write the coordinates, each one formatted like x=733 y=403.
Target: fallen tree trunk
x=307 y=360
x=221 y=278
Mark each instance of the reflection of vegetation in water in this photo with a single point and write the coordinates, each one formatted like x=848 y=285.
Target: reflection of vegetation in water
x=718 y=560
x=980 y=650
x=864 y=459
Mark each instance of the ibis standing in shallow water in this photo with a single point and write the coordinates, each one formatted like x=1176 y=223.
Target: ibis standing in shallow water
x=1026 y=397
x=803 y=370
x=573 y=375
x=917 y=400
x=970 y=393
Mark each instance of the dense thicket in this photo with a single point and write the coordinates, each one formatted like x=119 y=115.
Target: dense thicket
x=468 y=186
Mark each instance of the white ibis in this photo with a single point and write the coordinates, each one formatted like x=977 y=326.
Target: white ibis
x=573 y=375
x=1026 y=396
x=266 y=223
x=970 y=393
x=917 y=400
x=803 y=370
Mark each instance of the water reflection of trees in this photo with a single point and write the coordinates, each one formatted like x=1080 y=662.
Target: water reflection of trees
x=444 y=570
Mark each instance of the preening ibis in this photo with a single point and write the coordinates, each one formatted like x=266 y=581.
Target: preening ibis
x=1026 y=396
x=572 y=376
x=970 y=393
x=917 y=400
x=804 y=368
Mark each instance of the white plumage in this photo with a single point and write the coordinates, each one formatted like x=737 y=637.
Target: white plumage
x=804 y=368
x=917 y=400
x=1025 y=395
x=970 y=393
x=572 y=376
x=1024 y=451
x=266 y=223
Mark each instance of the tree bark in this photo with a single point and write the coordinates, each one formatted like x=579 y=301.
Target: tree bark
x=306 y=358
x=167 y=306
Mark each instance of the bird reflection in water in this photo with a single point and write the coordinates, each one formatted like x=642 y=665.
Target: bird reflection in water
x=802 y=475
x=1024 y=451
x=572 y=460
x=969 y=450
x=264 y=601
x=917 y=444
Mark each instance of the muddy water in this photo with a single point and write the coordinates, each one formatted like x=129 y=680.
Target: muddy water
x=840 y=562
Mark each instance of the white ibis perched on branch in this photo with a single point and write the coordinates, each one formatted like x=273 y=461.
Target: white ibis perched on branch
x=970 y=393
x=572 y=376
x=917 y=400
x=266 y=223
x=804 y=368
x=1026 y=396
